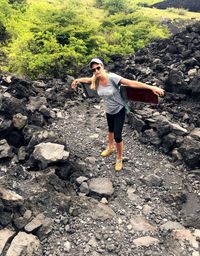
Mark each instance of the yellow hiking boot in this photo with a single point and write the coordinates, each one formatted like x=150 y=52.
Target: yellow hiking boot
x=118 y=165
x=107 y=152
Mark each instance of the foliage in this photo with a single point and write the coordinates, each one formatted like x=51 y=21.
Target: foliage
x=5 y=11
x=146 y=3
x=18 y=4
x=115 y=6
x=179 y=11
x=128 y=33
x=55 y=38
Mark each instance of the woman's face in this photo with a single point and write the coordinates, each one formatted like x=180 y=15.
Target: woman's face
x=97 y=69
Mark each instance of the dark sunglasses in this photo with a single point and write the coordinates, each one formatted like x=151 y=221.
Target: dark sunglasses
x=96 y=69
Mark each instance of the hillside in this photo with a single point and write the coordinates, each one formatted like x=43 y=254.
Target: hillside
x=48 y=37
x=191 y=5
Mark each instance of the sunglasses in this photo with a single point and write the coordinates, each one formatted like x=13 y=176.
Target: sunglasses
x=96 y=69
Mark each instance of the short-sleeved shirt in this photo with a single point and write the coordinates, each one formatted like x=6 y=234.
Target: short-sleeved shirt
x=111 y=95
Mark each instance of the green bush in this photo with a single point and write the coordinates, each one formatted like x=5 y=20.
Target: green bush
x=55 y=38
x=179 y=11
x=128 y=33
x=116 y=6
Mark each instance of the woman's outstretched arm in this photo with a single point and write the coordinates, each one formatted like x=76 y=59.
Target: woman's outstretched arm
x=158 y=91
x=86 y=80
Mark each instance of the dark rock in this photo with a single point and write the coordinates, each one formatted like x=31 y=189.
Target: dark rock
x=190 y=152
x=159 y=67
x=136 y=123
x=1 y=205
x=192 y=5
x=5 y=150
x=45 y=229
x=175 y=83
x=15 y=138
x=21 y=89
x=46 y=112
x=163 y=128
x=190 y=63
x=21 y=173
x=150 y=136
x=30 y=130
x=64 y=172
x=5 y=127
x=192 y=220
x=153 y=180
x=20 y=222
x=11 y=105
x=195 y=88
x=177 y=198
x=173 y=49
x=5 y=218
x=141 y=59
x=35 y=103
x=69 y=170
x=168 y=142
x=36 y=119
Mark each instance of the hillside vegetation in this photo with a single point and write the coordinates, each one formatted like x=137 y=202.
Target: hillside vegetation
x=55 y=38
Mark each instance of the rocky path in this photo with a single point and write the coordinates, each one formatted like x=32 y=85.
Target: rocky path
x=138 y=211
x=51 y=205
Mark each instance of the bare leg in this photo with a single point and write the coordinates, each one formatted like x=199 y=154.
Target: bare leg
x=111 y=140
x=110 y=148
x=120 y=147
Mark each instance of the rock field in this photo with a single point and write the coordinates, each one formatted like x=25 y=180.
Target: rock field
x=59 y=197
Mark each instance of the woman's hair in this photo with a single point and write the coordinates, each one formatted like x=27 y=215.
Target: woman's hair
x=93 y=85
x=95 y=79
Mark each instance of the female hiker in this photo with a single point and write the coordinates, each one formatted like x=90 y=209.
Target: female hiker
x=106 y=85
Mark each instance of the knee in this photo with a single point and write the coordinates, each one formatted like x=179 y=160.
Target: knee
x=118 y=139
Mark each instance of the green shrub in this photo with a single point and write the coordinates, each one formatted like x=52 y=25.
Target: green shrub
x=179 y=11
x=116 y=6
x=55 y=38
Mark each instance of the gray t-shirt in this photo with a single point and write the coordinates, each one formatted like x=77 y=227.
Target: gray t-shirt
x=111 y=95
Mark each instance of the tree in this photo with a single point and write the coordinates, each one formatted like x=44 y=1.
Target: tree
x=56 y=37
x=116 y=6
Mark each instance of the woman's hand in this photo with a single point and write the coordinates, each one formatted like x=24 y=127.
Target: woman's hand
x=74 y=83
x=158 y=91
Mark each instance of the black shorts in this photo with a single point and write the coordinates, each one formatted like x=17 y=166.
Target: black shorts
x=116 y=123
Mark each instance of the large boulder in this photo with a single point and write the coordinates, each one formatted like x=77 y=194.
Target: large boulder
x=101 y=186
x=190 y=152
x=49 y=153
x=5 y=236
x=135 y=122
x=10 y=105
x=175 y=83
x=24 y=244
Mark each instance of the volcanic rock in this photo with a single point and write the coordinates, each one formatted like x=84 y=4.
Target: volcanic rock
x=5 y=236
x=48 y=153
x=190 y=151
x=24 y=244
x=5 y=149
x=101 y=186
x=10 y=198
x=19 y=121
x=35 y=223
x=145 y=241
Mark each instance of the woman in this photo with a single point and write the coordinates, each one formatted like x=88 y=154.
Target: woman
x=105 y=84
